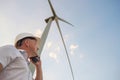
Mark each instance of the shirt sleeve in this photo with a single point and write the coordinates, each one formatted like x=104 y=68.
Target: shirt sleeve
x=7 y=54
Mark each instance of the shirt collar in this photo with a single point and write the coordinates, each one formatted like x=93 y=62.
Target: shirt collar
x=24 y=54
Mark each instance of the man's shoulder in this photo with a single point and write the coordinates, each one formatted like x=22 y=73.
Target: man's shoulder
x=6 y=46
x=8 y=49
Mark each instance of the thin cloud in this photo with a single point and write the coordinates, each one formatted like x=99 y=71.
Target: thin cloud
x=82 y=56
x=73 y=47
x=38 y=32
x=49 y=44
x=66 y=37
x=53 y=56
x=57 y=49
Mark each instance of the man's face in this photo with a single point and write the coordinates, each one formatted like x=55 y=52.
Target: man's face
x=33 y=47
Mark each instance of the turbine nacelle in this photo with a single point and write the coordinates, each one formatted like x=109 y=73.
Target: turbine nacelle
x=52 y=17
x=58 y=18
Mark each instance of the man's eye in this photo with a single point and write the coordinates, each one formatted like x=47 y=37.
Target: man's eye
x=37 y=49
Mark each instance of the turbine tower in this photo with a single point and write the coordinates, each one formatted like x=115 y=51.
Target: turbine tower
x=46 y=31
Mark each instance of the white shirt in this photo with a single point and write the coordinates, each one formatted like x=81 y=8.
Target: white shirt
x=14 y=64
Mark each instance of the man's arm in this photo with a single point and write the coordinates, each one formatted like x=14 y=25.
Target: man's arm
x=38 y=65
x=39 y=75
x=1 y=67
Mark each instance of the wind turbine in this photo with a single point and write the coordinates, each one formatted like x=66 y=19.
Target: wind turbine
x=46 y=31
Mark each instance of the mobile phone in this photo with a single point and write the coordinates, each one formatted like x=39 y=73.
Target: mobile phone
x=35 y=59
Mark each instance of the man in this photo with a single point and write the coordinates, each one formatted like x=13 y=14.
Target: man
x=14 y=64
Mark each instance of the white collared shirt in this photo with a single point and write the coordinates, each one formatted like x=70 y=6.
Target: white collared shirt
x=25 y=55
x=14 y=64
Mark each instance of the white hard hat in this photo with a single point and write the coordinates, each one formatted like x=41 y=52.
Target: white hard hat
x=24 y=35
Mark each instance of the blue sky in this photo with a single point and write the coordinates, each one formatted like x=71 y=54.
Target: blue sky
x=93 y=43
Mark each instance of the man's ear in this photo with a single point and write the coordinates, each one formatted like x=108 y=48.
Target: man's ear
x=1 y=67
x=27 y=42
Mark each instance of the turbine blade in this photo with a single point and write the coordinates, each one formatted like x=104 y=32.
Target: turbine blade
x=42 y=42
x=53 y=11
x=56 y=19
x=65 y=21
x=44 y=36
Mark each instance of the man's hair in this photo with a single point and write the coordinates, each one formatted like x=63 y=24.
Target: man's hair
x=20 y=42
